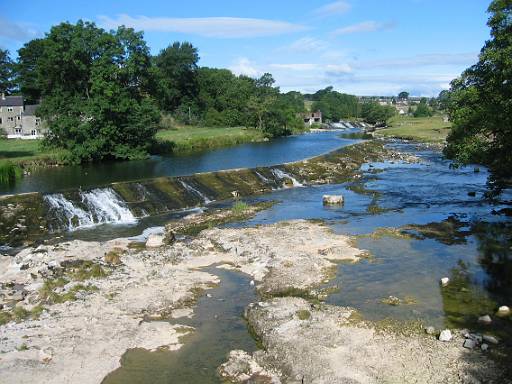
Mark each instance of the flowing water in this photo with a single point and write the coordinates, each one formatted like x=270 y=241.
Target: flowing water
x=277 y=151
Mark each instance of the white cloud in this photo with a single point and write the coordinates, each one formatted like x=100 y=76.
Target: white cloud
x=365 y=26
x=243 y=66
x=296 y=66
x=332 y=9
x=15 y=31
x=220 y=27
x=432 y=59
x=308 y=44
x=319 y=68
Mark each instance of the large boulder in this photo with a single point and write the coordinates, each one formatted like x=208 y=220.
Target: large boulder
x=155 y=240
x=332 y=199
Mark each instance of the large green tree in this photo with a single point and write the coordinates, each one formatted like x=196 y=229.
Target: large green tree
x=176 y=76
x=6 y=72
x=480 y=103
x=422 y=110
x=94 y=87
x=335 y=105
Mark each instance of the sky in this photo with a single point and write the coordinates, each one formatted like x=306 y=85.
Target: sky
x=362 y=47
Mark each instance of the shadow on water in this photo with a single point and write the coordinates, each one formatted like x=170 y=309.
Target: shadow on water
x=219 y=328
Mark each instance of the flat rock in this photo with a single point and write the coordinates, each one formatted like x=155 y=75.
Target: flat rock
x=486 y=319
x=155 y=241
x=503 y=311
x=444 y=281
x=469 y=343
x=490 y=339
x=445 y=335
x=332 y=199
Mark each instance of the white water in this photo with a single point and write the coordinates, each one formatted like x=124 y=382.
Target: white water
x=99 y=206
x=196 y=192
x=283 y=175
x=263 y=178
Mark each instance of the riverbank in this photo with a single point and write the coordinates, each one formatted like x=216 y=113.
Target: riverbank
x=423 y=129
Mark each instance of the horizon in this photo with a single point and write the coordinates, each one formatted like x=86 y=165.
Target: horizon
x=365 y=48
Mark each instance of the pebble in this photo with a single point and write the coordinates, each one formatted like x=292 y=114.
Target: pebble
x=469 y=343
x=486 y=319
x=484 y=347
x=444 y=281
x=503 y=311
x=430 y=330
x=490 y=339
x=446 y=335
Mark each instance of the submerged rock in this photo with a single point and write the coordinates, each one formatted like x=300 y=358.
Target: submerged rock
x=332 y=199
x=503 y=311
x=445 y=281
x=430 y=330
x=486 y=319
x=490 y=339
x=469 y=344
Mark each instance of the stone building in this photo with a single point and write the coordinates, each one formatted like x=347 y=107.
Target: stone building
x=311 y=118
x=19 y=121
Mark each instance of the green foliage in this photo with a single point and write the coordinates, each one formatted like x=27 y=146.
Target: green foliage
x=334 y=105
x=479 y=103
x=403 y=95
x=374 y=113
x=9 y=173
x=239 y=207
x=422 y=110
x=6 y=72
x=94 y=88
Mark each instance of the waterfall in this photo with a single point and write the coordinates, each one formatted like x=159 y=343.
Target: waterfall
x=98 y=206
x=196 y=192
x=283 y=175
x=263 y=178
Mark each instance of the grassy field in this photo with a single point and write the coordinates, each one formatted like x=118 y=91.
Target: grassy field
x=24 y=151
x=426 y=129
x=188 y=139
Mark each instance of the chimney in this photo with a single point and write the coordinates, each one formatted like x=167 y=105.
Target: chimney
x=3 y=96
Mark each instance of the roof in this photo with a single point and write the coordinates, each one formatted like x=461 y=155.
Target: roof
x=30 y=110
x=11 y=101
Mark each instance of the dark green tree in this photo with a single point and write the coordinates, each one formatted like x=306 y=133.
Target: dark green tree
x=6 y=72
x=176 y=76
x=403 y=95
x=480 y=103
x=377 y=114
x=94 y=87
x=422 y=110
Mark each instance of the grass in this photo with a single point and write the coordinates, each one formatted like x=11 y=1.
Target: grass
x=425 y=129
x=20 y=151
x=9 y=172
x=187 y=139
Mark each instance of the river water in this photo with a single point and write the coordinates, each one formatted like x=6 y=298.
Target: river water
x=277 y=151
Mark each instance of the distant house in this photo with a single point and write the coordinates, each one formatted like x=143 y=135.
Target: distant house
x=311 y=118
x=19 y=121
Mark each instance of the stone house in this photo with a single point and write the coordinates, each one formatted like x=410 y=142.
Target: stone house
x=311 y=118
x=19 y=121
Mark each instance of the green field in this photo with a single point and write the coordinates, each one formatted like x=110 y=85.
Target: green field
x=24 y=151
x=425 y=129
x=187 y=139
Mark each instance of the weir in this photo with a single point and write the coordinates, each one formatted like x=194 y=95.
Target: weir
x=26 y=217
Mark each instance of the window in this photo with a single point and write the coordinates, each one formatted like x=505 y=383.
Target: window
x=10 y=118
x=1 y=121
x=18 y=117
x=37 y=122
x=17 y=131
x=10 y=109
x=33 y=132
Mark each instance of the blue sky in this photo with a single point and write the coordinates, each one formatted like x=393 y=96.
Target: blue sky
x=363 y=47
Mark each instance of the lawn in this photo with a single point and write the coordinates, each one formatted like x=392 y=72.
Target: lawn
x=21 y=151
x=426 y=129
x=190 y=139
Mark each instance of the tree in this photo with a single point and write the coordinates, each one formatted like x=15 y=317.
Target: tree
x=6 y=72
x=480 y=103
x=403 y=95
x=442 y=99
x=94 y=87
x=176 y=75
x=335 y=105
x=374 y=113
x=422 y=110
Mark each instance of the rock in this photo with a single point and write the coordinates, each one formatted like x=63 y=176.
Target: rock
x=503 y=311
x=251 y=283
x=430 y=330
x=446 y=335
x=155 y=241
x=472 y=194
x=484 y=347
x=445 y=281
x=490 y=339
x=332 y=199
x=469 y=344
x=486 y=319
x=474 y=337
x=391 y=300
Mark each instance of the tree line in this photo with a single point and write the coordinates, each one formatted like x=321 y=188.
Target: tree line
x=103 y=94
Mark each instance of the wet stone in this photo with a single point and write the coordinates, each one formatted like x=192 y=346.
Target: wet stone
x=486 y=319
x=446 y=335
x=469 y=343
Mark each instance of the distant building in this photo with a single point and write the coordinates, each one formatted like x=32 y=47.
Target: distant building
x=311 y=118
x=19 y=121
